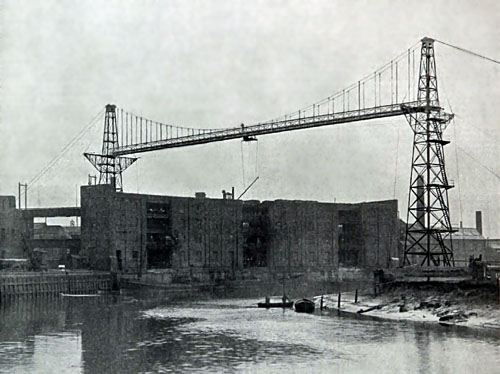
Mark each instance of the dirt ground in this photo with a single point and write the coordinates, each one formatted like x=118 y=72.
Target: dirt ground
x=475 y=308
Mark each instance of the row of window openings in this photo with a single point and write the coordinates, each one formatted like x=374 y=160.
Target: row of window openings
x=11 y=203
x=4 y=233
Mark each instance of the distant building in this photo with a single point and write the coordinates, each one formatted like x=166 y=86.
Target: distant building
x=47 y=232
x=492 y=251
x=58 y=243
x=22 y=238
x=467 y=242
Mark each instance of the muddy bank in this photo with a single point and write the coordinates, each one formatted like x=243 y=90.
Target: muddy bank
x=473 y=308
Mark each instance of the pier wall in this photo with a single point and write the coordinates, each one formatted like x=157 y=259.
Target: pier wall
x=254 y=284
x=31 y=284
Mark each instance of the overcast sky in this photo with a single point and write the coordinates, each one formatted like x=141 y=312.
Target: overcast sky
x=221 y=63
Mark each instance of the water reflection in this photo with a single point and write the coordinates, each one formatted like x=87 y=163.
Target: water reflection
x=423 y=342
x=31 y=331
x=132 y=335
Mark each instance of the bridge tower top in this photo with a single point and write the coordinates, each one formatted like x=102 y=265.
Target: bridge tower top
x=110 y=167
x=428 y=41
x=110 y=108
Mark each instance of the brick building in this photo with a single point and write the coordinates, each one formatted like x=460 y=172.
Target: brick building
x=136 y=232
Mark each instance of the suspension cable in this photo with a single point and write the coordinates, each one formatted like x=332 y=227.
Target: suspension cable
x=396 y=165
x=485 y=133
x=458 y=167
x=455 y=143
x=242 y=163
x=479 y=162
x=257 y=158
x=469 y=52
x=52 y=162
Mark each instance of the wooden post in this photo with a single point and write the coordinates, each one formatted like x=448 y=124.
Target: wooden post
x=338 y=301
x=356 y=297
x=68 y=280
x=498 y=287
x=321 y=303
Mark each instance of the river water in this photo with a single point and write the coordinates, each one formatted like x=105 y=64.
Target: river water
x=132 y=334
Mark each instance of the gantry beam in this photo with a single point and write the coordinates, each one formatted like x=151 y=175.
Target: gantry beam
x=274 y=127
x=50 y=212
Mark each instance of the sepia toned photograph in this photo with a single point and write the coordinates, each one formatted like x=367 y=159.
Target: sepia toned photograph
x=249 y=186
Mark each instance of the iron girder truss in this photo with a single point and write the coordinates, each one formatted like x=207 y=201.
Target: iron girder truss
x=428 y=226
x=271 y=128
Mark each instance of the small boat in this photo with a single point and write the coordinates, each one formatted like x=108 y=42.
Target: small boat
x=287 y=304
x=76 y=295
x=304 y=306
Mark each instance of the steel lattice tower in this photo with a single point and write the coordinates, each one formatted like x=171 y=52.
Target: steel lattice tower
x=428 y=228
x=109 y=166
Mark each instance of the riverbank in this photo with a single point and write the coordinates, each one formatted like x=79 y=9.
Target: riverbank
x=473 y=308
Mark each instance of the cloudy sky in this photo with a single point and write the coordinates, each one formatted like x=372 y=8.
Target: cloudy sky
x=220 y=63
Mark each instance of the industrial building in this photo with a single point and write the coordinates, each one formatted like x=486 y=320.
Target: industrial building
x=11 y=226
x=200 y=238
x=203 y=238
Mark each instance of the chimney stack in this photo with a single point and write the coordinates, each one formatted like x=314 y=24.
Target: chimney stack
x=479 y=222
